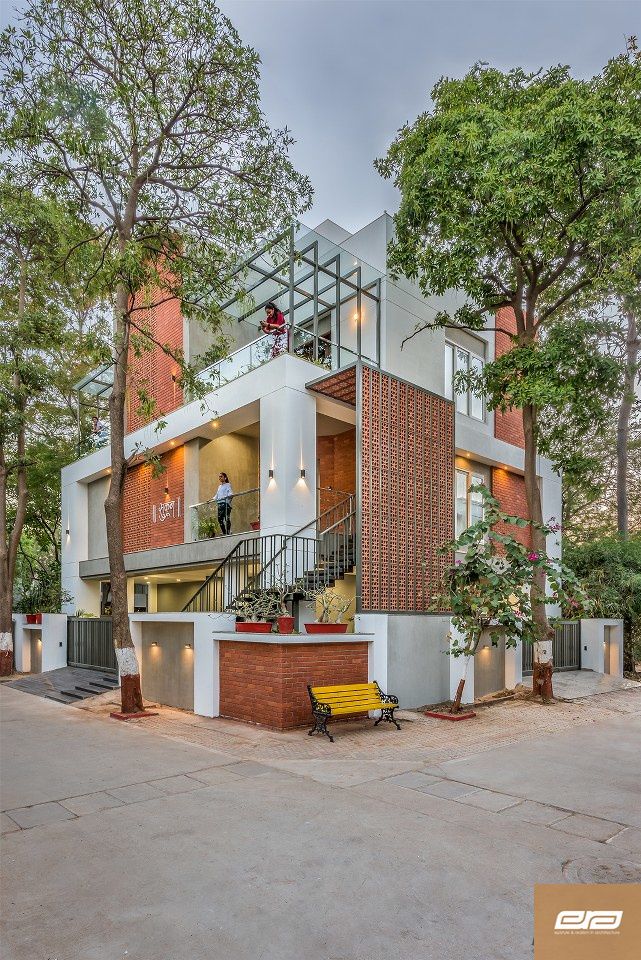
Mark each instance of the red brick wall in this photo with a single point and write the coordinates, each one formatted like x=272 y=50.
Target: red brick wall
x=508 y=426
x=152 y=370
x=337 y=465
x=266 y=683
x=509 y=490
x=145 y=502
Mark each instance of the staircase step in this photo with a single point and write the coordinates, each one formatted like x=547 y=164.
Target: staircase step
x=87 y=690
x=73 y=694
x=57 y=698
x=103 y=686
x=113 y=681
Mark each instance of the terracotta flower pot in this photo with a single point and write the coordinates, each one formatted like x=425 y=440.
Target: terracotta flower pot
x=34 y=618
x=255 y=524
x=326 y=627
x=285 y=624
x=252 y=627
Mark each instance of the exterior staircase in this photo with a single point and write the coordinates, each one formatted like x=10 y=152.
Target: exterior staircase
x=264 y=562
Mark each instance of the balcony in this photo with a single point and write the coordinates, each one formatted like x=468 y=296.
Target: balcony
x=331 y=301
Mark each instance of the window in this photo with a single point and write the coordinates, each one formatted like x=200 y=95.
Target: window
x=456 y=360
x=469 y=505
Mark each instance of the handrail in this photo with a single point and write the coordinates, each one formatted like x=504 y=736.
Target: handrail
x=213 y=573
x=286 y=541
x=233 y=496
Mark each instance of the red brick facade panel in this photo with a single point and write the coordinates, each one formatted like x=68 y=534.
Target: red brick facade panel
x=509 y=490
x=407 y=492
x=336 y=466
x=266 y=683
x=508 y=426
x=154 y=372
x=151 y=517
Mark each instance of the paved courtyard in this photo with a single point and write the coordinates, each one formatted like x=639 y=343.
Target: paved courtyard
x=180 y=838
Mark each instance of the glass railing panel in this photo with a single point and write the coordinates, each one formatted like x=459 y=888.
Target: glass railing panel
x=213 y=519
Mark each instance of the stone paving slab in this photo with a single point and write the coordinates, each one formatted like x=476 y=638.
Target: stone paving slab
x=39 y=814
x=91 y=803
x=532 y=812
x=248 y=768
x=215 y=775
x=137 y=792
x=180 y=784
x=593 y=828
x=413 y=780
x=346 y=773
x=7 y=825
x=450 y=790
x=627 y=841
x=489 y=800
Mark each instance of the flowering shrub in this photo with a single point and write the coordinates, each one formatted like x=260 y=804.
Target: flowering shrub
x=491 y=586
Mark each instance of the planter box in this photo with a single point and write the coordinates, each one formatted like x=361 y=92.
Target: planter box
x=326 y=627
x=253 y=627
x=34 y=618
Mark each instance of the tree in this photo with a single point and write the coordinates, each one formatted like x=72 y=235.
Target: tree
x=494 y=587
x=38 y=269
x=610 y=568
x=148 y=112
x=519 y=189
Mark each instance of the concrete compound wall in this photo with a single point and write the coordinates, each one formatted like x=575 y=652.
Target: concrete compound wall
x=167 y=670
x=602 y=646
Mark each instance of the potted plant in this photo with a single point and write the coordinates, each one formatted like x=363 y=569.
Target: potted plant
x=332 y=607
x=42 y=595
x=208 y=528
x=256 y=610
x=254 y=524
x=282 y=590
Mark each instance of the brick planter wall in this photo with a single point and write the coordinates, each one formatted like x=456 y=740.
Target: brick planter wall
x=266 y=683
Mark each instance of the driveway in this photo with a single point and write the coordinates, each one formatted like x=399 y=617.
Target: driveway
x=145 y=843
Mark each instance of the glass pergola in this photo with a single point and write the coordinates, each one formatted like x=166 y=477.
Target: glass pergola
x=330 y=298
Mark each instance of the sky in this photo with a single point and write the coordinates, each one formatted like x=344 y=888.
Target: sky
x=345 y=75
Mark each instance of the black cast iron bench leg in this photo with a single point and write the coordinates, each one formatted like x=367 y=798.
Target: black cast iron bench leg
x=320 y=726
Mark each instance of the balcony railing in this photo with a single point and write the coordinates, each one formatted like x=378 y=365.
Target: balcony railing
x=211 y=519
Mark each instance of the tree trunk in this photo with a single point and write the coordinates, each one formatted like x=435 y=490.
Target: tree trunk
x=542 y=650
x=623 y=425
x=456 y=705
x=130 y=690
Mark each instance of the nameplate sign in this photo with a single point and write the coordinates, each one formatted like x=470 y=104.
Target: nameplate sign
x=167 y=510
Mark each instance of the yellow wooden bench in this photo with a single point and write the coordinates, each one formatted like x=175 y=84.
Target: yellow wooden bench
x=349 y=698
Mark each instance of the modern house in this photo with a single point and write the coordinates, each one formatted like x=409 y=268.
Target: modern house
x=350 y=456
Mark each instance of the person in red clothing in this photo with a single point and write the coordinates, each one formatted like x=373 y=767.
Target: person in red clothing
x=274 y=323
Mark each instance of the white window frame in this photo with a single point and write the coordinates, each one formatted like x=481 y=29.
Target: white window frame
x=466 y=403
x=472 y=478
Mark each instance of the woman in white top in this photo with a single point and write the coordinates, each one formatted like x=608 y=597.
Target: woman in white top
x=223 y=498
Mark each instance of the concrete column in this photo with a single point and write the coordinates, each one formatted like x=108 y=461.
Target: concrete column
x=594 y=646
x=287 y=446
x=513 y=666
x=54 y=641
x=192 y=486
x=21 y=644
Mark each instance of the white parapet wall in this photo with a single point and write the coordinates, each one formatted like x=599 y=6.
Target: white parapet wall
x=602 y=646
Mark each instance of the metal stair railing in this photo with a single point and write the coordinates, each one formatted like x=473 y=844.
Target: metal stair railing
x=261 y=562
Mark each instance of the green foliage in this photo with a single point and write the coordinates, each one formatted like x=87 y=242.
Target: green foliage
x=611 y=571
x=516 y=184
x=42 y=594
x=148 y=116
x=493 y=586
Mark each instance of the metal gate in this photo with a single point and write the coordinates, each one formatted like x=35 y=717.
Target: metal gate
x=90 y=643
x=566 y=648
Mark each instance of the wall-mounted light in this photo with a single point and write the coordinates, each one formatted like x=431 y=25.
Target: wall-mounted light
x=302 y=473
x=270 y=474
x=187 y=646
x=174 y=377
x=67 y=532
x=154 y=643
x=166 y=490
